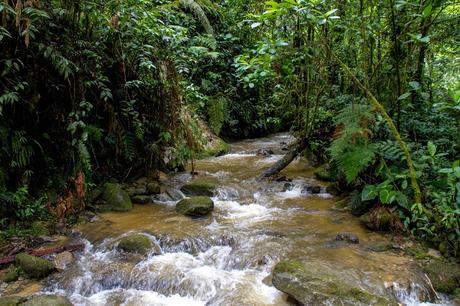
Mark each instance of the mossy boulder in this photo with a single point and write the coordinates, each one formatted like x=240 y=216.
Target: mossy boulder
x=380 y=246
x=198 y=188
x=11 y=275
x=11 y=300
x=445 y=276
x=47 y=300
x=116 y=198
x=141 y=199
x=153 y=188
x=195 y=206
x=380 y=219
x=315 y=283
x=323 y=173
x=138 y=243
x=34 y=267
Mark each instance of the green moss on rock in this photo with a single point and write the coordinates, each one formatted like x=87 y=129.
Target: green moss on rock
x=314 y=283
x=139 y=244
x=323 y=173
x=195 y=206
x=11 y=300
x=444 y=276
x=34 y=267
x=116 y=198
x=47 y=300
x=11 y=274
x=142 y=199
x=198 y=188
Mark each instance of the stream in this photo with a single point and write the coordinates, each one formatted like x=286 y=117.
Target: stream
x=227 y=258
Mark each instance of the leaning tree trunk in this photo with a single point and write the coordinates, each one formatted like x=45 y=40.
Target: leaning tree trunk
x=295 y=150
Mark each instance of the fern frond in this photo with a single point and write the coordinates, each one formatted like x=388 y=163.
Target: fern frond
x=199 y=13
x=351 y=150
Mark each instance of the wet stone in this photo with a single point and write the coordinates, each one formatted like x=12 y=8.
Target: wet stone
x=311 y=189
x=347 y=237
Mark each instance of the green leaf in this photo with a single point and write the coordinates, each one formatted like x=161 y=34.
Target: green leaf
x=386 y=196
x=414 y=85
x=457 y=172
x=255 y=25
x=404 y=96
x=404 y=184
x=458 y=187
x=427 y=10
x=402 y=200
x=431 y=149
x=369 y=193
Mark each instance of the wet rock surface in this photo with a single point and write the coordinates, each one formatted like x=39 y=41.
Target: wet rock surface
x=198 y=188
x=195 y=206
x=34 y=267
x=116 y=198
x=314 y=283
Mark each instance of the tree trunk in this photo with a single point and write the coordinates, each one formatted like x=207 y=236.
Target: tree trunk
x=295 y=150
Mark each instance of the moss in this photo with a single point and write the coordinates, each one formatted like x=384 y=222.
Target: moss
x=11 y=275
x=48 y=300
x=138 y=243
x=11 y=300
x=198 y=188
x=323 y=173
x=313 y=283
x=142 y=199
x=40 y=228
x=153 y=188
x=445 y=276
x=117 y=199
x=381 y=246
x=34 y=267
x=219 y=148
x=195 y=206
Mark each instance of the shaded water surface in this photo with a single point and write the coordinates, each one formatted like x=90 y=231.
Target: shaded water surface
x=227 y=258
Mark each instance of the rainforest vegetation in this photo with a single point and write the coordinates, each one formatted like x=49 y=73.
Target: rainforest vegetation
x=92 y=90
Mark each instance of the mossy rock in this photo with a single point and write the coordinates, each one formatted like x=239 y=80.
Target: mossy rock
x=11 y=275
x=48 y=300
x=379 y=219
x=198 y=188
x=141 y=199
x=138 y=243
x=11 y=300
x=380 y=246
x=323 y=173
x=116 y=198
x=445 y=276
x=195 y=206
x=314 y=283
x=153 y=188
x=217 y=148
x=34 y=267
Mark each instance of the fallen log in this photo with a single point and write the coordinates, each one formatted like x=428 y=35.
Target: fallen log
x=44 y=252
x=293 y=152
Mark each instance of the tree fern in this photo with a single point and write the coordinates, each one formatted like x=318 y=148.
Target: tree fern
x=351 y=149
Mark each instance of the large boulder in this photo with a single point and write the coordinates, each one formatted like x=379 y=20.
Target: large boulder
x=11 y=300
x=47 y=300
x=138 y=243
x=445 y=276
x=153 y=188
x=315 y=283
x=34 y=267
x=63 y=260
x=380 y=219
x=198 y=188
x=195 y=206
x=116 y=198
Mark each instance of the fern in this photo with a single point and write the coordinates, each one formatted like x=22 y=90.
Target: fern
x=351 y=150
x=390 y=150
x=129 y=146
x=216 y=112
x=199 y=13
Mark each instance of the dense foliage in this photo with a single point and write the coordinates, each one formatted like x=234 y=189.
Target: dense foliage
x=96 y=89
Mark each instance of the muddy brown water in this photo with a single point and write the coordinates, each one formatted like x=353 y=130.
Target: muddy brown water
x=227 y=258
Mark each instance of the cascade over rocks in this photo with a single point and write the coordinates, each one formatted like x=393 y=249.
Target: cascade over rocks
x=195 y=206
x=47 y=300
x=315 y=283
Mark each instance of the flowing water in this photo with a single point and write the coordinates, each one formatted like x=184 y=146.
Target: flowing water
x=227 y=258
